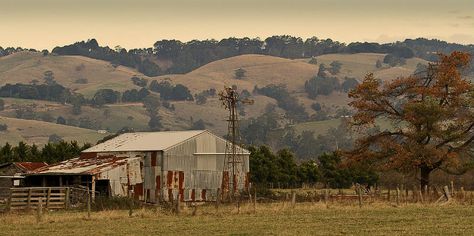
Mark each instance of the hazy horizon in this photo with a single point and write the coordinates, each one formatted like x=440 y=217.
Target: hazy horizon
x=137 y=24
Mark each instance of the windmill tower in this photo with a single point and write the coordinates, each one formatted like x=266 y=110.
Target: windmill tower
x=233 y=153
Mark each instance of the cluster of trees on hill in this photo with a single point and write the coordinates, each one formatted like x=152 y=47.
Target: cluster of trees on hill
x=324 y=84
x=293 y=110
x=267 y=130
x=10 y=50
x=187 y=56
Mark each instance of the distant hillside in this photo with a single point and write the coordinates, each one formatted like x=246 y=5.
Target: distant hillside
x=38 y=132
x=23 y=67
x=261 y=70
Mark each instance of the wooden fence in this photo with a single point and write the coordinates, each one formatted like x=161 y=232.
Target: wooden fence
x=30 y=198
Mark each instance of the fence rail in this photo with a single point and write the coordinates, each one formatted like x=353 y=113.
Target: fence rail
x=30 y=198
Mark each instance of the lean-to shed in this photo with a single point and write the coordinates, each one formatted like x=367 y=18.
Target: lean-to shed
x=153 y=166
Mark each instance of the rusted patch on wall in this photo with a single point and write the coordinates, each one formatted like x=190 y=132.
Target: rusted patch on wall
x=247 y=181
x=169 y=180
x=181 y=195
x=203 y=195
x=153 y=158
x=138 y=191
x=181 y=180
x=193 y=195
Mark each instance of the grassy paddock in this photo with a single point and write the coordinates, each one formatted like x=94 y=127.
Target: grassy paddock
x=270 y=218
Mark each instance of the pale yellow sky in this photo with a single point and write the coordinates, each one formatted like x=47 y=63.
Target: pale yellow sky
x=139 y=23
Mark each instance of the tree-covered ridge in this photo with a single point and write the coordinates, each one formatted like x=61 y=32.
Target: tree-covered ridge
x=187 y=56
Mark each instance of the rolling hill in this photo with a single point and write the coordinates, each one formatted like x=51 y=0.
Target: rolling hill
x=38 y=132
x=260 y=70
x=23 y=67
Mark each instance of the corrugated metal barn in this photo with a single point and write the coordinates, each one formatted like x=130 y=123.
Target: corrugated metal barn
x=152 y=167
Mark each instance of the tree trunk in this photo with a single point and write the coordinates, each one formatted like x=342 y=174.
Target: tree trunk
x=425 y=176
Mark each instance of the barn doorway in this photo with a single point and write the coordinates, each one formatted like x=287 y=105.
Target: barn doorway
x=103 y=187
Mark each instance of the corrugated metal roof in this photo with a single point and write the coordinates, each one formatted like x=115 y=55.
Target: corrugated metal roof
x=30 y=166
x=83 y=166
x=144 y=141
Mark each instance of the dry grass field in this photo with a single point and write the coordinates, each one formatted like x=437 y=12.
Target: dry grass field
x=32 y=131
x=269 y=219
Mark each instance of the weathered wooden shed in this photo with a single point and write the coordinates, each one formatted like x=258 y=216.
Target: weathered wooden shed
x=154 y=166
x=11 y=174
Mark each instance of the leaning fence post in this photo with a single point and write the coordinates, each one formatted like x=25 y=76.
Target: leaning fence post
x=388 y=195
x=421 y=197
x=446 y=193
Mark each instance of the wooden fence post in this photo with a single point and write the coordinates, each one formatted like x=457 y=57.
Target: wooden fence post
x=48 y=198
x=421 y=196
x=178 y=204
x=218 y=199
x=326 y=197
x=130 y=207
x=255 y=200
x=452 y=188
x=9 y=201
x=388 y=195
x=88 y=203
x=398 y=196
x=66 y=199
x=426 y=193
x=194 y=208
x=28 y=206
x=359 y=193
x=39 y=210
x=293 y=199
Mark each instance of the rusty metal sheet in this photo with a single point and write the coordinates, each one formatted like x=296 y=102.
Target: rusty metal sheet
x=30 y=166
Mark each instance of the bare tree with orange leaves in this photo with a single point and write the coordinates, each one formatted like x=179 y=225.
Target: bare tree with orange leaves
x=432 y=117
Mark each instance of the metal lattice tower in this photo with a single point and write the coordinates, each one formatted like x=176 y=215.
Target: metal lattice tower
x=233 y=155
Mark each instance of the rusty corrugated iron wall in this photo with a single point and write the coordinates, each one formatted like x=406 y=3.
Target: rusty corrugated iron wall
x=194 y=170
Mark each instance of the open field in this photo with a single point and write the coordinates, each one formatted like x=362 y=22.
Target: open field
x=322 y=127
x=269 y=219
